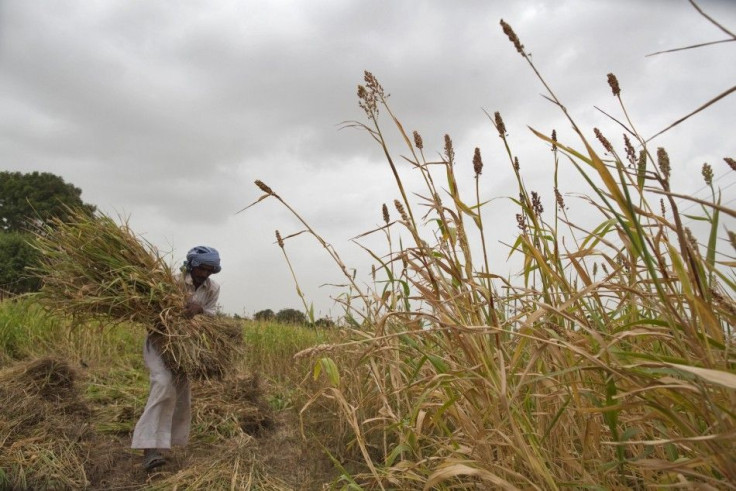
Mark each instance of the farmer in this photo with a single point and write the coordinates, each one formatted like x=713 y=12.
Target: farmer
x=166 y=419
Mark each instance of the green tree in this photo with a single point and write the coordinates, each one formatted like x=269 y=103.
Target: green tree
x=264 y=315
x=324 y=322
x=26 y=199
x=16 y=255
x=291 y=316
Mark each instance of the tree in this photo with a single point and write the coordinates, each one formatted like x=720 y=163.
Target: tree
x=324 y=322
x=26 y=199
x=264 y=315
x=291 y=316
x=16 y=255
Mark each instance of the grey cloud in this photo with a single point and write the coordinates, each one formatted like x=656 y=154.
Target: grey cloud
x=169 y=111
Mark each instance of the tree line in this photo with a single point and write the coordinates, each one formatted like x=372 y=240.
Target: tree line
x=290 y=316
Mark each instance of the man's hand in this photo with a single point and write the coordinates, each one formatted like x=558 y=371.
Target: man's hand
x=192 y=309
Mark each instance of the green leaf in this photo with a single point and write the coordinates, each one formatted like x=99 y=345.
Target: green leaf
x=438 y=363
x=600 y=231
x=695 y=217
x=330 y=368
x=397 y=450
x=711 y=256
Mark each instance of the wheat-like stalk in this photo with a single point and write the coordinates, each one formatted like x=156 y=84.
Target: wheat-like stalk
x=92 y=267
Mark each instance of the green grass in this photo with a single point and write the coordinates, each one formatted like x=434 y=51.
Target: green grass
x=270 y=348
x=24 y=329
x=28 y=331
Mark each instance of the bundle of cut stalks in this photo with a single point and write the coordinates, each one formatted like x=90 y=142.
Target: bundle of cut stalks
x=92 y=267
x=42 y=427
x=232 y=407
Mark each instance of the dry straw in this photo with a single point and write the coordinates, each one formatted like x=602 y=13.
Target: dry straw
x=42 y=427
x=562 y=376
x=92 y=267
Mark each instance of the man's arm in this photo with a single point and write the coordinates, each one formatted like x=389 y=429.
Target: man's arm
x=203 y=302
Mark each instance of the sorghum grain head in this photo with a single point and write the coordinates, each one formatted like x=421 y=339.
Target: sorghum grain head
x=370 y=94
x=516 y=164
x=630 y=152
x=372 y=84
x=401 y=210
x=537 y=203
x=279 y=240
x=500 y=126
x=384 y=209
x=731 y=162
x=664 y=162
x=613 y=83
x=521 y=222
x=418 y=140
x=554 y=139
x=367 y=101
x=707 y=172
x=662 y=207
x=263 y=187
x=641 y=166
x=449 y=151
x=559 y=199
x=604 y=141
x=513 y=38
x=477 y=162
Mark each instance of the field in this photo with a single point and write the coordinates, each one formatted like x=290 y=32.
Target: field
x=607 y=362
x=74 y=393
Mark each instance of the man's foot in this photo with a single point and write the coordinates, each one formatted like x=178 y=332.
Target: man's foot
x=152 y=459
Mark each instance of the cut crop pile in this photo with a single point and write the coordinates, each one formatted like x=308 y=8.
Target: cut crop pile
x=92 y=267
x=42 y=430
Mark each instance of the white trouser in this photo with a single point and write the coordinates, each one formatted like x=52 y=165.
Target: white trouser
x=166 y=419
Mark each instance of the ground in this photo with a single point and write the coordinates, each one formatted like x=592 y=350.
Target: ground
x=64 y=421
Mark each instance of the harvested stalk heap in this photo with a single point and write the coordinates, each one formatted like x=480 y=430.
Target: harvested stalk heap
x=43 y=427
x=92 y=267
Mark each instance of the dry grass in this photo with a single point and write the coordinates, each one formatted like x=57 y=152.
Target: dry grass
x=54 y=437
x=69 y=423
x=93 y=267
x=607 y=362
x=42 y=427
x=233 y=407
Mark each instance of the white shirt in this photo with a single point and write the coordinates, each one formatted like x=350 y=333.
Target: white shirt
x=206 y=295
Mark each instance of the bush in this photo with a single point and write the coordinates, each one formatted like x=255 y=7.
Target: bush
x=264 y=315
x=17 y=256
x=325 y=322
x=291 y=316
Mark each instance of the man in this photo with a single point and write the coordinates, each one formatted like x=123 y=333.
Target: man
x=167 y=417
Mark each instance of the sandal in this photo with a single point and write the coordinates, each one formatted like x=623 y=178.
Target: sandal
x=152 y=459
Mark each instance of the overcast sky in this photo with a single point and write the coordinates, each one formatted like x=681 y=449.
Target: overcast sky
x=167 y=111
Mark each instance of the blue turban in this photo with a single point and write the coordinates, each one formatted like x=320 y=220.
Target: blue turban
x=204 y=255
